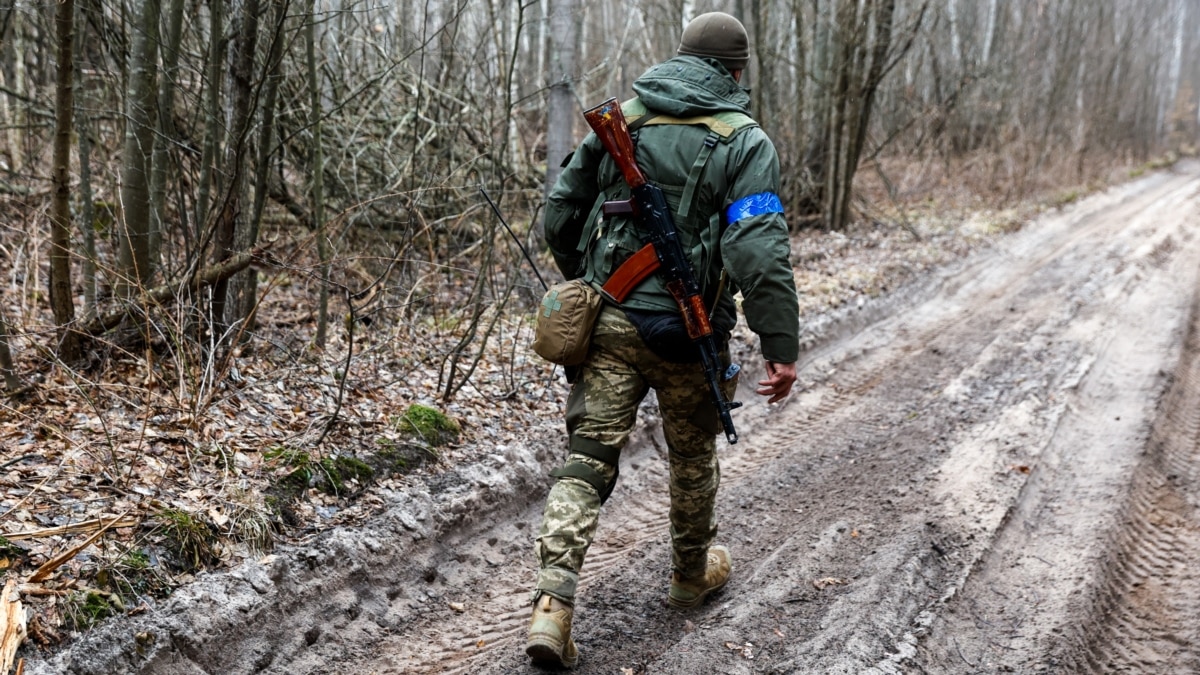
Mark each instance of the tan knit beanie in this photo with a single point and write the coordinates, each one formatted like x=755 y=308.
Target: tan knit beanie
x=719 y=36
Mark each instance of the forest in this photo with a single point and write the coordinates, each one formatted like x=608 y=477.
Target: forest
x=248 y=263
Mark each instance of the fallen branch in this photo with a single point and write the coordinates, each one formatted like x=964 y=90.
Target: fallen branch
x=12 y=616
x=47 y=569
x=206 y=277
x=75 y=528
x=43 y=592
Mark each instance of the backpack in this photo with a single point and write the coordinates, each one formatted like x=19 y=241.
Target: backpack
x=606 y=245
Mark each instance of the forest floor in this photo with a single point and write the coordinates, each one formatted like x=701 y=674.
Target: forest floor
x=986 y=469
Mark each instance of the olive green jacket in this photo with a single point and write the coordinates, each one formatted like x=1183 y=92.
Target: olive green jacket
x=741 y=162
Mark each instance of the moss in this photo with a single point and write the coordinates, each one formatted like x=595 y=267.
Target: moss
x=354 y=468
x=401 y=457
x=336 y=471
x=136 y=560
x=296 y=481
x=1066 y=198
x=83 y=610
x=9 y=549
x=431 y=425
x=391 y=457
x=132 y=576
x=331 y=481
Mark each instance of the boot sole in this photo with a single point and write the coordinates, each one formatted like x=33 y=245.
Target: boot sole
x=545 y=652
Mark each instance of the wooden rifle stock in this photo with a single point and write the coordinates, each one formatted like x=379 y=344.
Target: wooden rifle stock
x=608 y=122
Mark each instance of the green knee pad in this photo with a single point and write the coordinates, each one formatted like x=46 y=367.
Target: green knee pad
x=587 y=474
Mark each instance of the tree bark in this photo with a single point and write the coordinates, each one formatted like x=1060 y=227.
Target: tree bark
x=61 y=301
x=135 y=265
x=166 y=125
x=317 y=170
x=246 y=283
x=87 y=210
x=212 y=117
x=232 y=217
x=561 y=109
x=11 y=382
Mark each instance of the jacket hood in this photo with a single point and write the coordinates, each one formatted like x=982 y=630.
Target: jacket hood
x=690 y=86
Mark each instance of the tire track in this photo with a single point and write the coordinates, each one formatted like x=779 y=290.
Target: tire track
x=1022 y=606
x=1146 y=613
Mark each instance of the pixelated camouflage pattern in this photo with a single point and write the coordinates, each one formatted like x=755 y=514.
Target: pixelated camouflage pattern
x=601 y=409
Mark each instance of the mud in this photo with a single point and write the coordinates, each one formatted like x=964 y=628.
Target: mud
x=991 y=471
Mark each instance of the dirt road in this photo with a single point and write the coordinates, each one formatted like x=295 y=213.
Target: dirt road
x=997 y=473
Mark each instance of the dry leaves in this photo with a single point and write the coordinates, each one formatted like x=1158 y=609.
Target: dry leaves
x=745 y=650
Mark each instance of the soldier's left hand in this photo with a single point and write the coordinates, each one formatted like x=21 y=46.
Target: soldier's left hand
x=780 y=378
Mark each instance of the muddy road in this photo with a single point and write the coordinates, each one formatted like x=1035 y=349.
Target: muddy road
x=996 y=471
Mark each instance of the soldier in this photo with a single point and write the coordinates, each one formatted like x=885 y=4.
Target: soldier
x=696 y=140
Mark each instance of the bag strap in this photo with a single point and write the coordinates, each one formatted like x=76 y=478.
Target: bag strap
x=725 y=124
x=689 y=190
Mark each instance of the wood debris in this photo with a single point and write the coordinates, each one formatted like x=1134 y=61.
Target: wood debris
x=75 y=528
x=12 y=617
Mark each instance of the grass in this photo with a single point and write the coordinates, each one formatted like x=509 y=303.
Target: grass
x=190 y=539
x=83 y=609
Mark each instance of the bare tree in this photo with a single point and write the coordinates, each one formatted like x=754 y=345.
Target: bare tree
x=247 y=282
x=87 y=211
x=136 y=265
x=317 y=171
x=60 y=208
x=231 y=219
x=9 y=372
x=215 y=72
x=561 y=107
x=165 y=125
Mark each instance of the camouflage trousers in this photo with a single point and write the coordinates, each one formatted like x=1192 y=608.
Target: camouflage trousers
x=601 y=411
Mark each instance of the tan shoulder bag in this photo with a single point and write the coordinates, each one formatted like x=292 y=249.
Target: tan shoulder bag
x=564 y=322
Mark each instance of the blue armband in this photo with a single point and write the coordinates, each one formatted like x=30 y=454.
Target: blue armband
x=754 y=205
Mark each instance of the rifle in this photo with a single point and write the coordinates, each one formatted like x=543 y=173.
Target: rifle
x=648 y=206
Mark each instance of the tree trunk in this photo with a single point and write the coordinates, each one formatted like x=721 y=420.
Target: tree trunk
x=246 y=282
x=135 y=264
x=13 y=119
x=561 y=109
x=846 y=72
x=166 y=126
x=212 y=117
x=11 y=382
x=87 y=210
x=61 y=301
x=316 y=170
x=989 y=33
x=817 y=91
x=232 y=217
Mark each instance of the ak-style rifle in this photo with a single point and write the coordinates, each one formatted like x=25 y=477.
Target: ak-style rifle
x=662 y=253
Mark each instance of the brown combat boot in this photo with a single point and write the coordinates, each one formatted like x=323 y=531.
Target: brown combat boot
x=550 y=642
x=687 y=592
